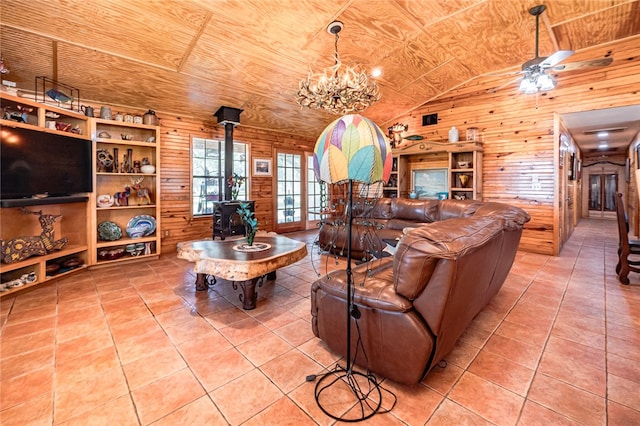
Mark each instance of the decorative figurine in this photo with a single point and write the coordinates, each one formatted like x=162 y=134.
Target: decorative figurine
x=20 y=248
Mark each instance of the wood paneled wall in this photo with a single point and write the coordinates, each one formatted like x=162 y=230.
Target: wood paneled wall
x=519 y=137
x=518 y=131
x=176 y=134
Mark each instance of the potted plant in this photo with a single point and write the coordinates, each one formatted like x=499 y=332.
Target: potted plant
x=235 y=181
x=249 y=220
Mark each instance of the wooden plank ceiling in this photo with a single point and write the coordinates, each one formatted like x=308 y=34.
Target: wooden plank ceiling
x=189 y=57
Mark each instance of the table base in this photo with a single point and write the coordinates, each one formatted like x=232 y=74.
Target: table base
x=249 y=295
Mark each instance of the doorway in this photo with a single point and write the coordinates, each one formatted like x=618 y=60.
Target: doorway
x=316 y=195
x=602 y=189
x=289 y=192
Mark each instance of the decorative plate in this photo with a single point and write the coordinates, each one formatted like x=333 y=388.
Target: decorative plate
x=141 y=226
x=109 y=231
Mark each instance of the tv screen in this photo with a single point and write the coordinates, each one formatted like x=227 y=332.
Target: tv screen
x=35 y=162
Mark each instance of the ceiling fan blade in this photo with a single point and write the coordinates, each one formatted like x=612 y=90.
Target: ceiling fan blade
x=502 y=86
x=556 y=58
x=500 y=74
x=600 y=62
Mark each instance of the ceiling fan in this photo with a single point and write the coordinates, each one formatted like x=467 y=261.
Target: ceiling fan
x=535 y=73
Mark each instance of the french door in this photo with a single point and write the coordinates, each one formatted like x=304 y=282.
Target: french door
x=289 y=192
x=316 y=195
x=602 y=189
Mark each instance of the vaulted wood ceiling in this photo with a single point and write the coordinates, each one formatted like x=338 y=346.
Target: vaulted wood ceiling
x=189 y=57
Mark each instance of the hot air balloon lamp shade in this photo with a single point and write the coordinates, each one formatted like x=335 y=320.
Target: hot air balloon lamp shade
x=352 y=149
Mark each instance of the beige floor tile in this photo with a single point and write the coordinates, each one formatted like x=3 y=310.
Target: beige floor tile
x=579 y=365
x=623 y=391
x=502 y=372
x=243 y=330
x=296 y=333
x=131 y=349
x=36 y=411
x=26 y=343
x=282 y=412
x=450 y=413
x=413 y=404
x=618 y=414
x=202 y=411
x=153 y=367
x=264 y=348
x=159 y=398
x=289 y=370
x=536 y=415
x=567 y=400
x=26 y=362
x=18 y=389
x=89 y=393
x=245 y=397
x=119 y=411
x=204 y=346
x=221 y=368
x=487 y=399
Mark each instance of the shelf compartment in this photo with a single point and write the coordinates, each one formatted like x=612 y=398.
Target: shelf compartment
x=124 y=241
x=127 y=258
x=70 y=249
x=142 y=206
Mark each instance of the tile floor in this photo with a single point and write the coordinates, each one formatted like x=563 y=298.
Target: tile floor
x=134 y=345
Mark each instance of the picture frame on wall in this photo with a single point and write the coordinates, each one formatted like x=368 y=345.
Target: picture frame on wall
x=572 y=167
x=638 y=157
x=429 y=183
x=627 y=170
x=579 y=173
x=262 y=167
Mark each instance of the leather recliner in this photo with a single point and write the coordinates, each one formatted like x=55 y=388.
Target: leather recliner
x=416 y=304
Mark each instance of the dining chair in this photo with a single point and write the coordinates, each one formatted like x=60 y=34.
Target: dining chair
x=626 y=248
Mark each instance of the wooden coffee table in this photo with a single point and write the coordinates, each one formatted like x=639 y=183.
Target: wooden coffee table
x=246 y=266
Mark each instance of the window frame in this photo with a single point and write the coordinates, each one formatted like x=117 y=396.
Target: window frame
x=220 y=180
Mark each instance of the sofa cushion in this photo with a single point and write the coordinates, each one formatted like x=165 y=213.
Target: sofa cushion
x=514 y=217
x=372 y=208
x=421 y=248
x=415 y=210
x=457 y=208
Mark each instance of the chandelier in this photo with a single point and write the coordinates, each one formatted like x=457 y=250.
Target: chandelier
x=339 y=89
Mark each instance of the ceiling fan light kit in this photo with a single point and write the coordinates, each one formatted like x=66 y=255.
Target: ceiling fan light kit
x=535 y=72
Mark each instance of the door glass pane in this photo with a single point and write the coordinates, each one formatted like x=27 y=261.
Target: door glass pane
x=289 y=196
x=316 y=193
x=610 y=188
x=595 y=189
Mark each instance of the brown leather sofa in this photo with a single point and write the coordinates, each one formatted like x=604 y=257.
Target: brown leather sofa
x=415 y=305
x=376 y=220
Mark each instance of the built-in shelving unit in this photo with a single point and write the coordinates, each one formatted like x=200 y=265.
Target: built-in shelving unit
x=17 y=218
x=398 y=181
x=463 y=161
x=121 y=151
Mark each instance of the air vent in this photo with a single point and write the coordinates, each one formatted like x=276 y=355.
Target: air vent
x=430 y=120
x=610 y=130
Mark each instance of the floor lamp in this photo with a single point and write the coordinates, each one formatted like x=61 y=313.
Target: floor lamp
x=351 y=149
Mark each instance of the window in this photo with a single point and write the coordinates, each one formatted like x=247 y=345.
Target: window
x=207 y=168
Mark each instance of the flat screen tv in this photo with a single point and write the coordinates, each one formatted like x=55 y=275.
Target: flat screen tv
x=35 y=162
